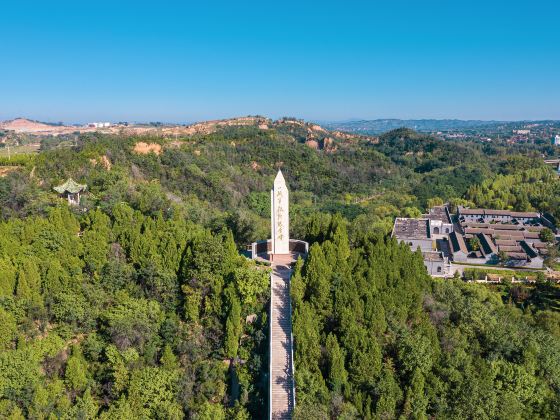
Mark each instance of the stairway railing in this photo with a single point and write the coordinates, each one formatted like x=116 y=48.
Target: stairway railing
x=270 y=352
x=292 y=367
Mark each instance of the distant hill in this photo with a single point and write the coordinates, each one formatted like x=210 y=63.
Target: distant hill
x=384 y=125
x=24 y=125
x=313 y=134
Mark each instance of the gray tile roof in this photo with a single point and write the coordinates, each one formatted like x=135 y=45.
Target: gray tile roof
x=458 y=243
x=411 y=228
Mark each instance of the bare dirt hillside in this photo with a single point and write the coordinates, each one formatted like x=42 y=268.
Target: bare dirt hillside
x=25 y=126
x=22 y=125
x=316 y=134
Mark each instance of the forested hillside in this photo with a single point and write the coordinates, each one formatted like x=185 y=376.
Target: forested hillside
x=137 y=304
x=222 y=179
x=135 y=315
x=376 y=337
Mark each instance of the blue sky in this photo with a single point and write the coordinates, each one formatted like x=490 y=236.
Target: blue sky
x=186 y=61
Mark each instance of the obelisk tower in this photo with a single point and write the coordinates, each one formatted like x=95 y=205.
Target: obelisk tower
x=279 y=215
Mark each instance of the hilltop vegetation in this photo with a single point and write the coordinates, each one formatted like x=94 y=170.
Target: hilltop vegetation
x=223 y=178
x=138 y=305
x=376 y=337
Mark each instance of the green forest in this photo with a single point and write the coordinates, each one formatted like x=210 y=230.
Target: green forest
x=377 y=338
x=140 y=304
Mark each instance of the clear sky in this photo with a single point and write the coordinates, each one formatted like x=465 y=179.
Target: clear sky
x=77 y=61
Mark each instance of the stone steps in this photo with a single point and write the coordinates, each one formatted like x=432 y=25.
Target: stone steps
x=281 y=387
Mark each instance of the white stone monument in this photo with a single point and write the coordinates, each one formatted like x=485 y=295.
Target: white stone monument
x=279 y=215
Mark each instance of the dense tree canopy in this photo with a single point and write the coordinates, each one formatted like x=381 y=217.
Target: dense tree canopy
x=98 y=317
x=137 y=304
x=222 y=179
x=376 y=337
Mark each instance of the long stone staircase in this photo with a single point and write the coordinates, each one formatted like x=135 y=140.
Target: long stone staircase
x=282 y=398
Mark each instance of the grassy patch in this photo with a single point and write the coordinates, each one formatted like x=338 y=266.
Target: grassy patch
x=19 y=150
x=539 y=297
x=481 y=272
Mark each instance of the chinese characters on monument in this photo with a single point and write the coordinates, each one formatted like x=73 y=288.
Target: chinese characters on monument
x=280 y=222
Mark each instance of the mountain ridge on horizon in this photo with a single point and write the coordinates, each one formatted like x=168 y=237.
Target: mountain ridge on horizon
x=381 y=125
x=352 y=126
x=352 y=120
x=34 y=127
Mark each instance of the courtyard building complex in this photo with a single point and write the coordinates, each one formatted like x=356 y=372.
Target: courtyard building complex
x=428 y=233
x=475 y=236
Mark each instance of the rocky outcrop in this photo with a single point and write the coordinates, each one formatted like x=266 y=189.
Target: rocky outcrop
x=208 y=127
x=327 y=144
x=312 y=143
x=316 y=127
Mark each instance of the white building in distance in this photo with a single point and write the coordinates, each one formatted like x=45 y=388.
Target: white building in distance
x=99 y=124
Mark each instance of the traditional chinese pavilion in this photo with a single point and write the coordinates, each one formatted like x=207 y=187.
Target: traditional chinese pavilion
x=71 y=190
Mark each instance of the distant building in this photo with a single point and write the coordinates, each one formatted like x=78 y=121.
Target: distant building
x=556 y=140
x=99 y=124
x=414 y=232
x=440 y=221
x=458 y=246
x=503 y=236
x=476 y=236
x=435 y=263
x=488 y=216
x=524 y=132
x=424 y=234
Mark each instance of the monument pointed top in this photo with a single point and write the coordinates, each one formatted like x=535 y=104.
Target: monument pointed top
x=279 y=178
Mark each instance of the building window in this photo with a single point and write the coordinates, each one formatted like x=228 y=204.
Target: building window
x=439 y=269
x=436 y=230
x=446 y=230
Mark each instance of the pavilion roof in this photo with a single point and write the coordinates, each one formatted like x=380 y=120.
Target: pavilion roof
x=70 y=186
